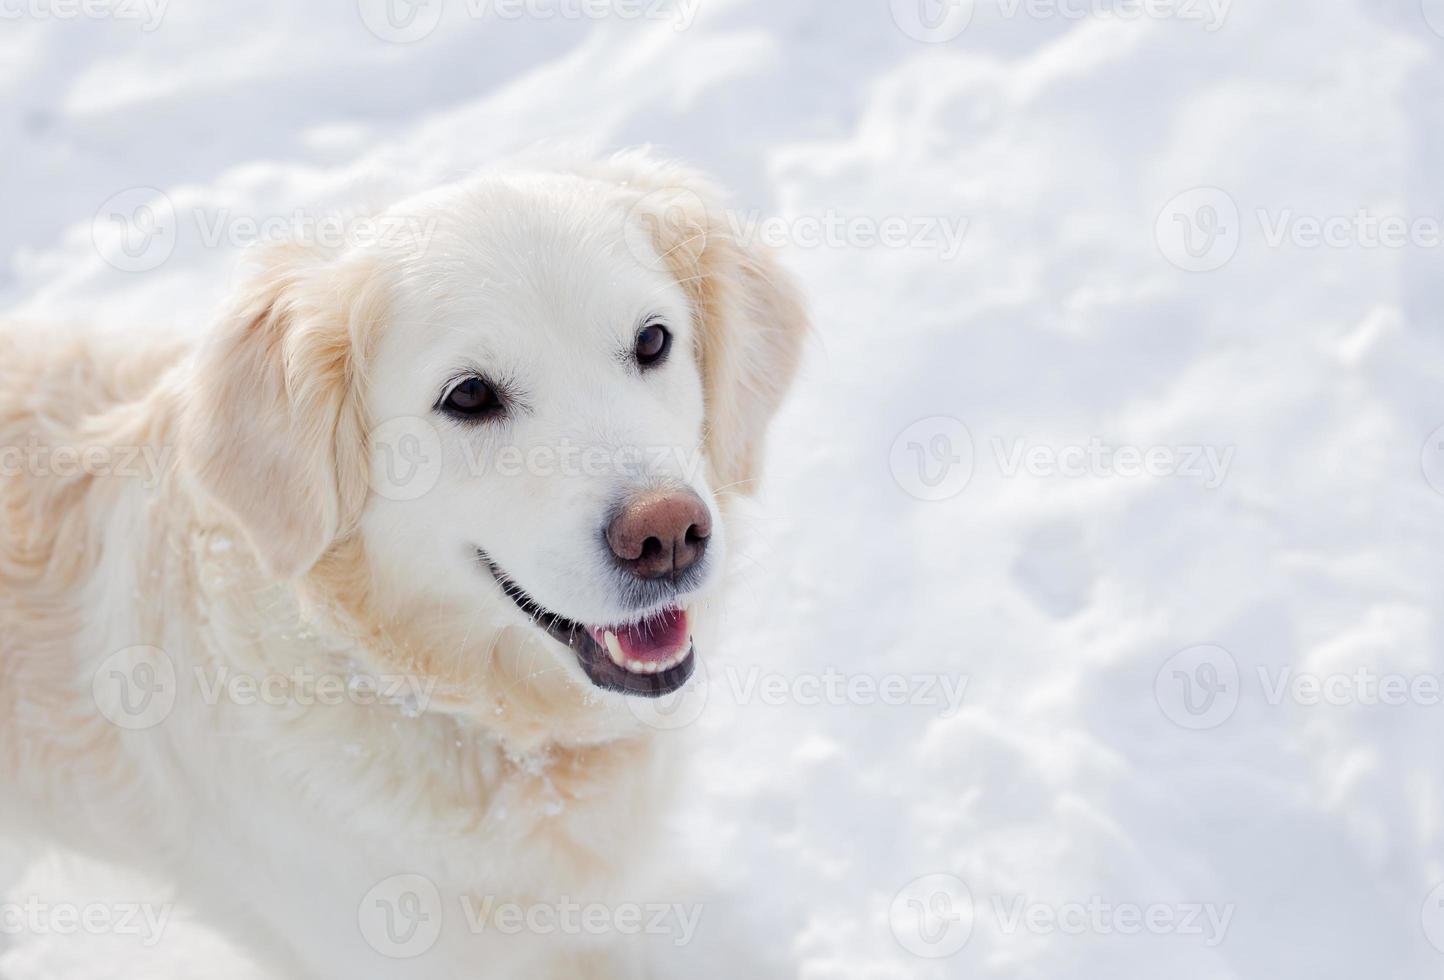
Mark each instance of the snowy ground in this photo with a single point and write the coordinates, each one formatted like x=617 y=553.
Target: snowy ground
x=1107 y=818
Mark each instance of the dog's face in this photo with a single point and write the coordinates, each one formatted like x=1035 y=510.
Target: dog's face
x=530 y=414
x=548 y=373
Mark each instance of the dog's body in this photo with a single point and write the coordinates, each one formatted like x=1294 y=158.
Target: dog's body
x=419 y=748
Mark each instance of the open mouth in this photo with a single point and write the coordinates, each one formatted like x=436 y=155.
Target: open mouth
x=649 y=657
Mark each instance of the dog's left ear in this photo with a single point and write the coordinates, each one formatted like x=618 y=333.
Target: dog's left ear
x=274 y=430
x=752 y=318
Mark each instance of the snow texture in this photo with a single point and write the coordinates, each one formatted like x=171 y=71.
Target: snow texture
x=1137 y=268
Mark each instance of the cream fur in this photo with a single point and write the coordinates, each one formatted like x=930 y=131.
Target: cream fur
x=257 y=547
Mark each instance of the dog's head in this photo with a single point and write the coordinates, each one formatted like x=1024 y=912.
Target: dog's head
x=525 y=405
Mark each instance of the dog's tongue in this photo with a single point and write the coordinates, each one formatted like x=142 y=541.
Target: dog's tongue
x=650 y=640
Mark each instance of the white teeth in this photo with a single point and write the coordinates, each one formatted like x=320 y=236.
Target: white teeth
x=614 y=649
x=619 y=657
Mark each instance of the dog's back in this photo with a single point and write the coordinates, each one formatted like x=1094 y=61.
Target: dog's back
x=64 y=401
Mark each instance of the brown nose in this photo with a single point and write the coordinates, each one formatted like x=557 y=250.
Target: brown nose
x=660 y=534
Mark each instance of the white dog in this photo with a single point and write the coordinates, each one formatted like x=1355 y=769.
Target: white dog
x=342 y=621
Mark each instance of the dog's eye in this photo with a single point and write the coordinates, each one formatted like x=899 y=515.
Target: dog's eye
x=653 y=342
x=470 y=399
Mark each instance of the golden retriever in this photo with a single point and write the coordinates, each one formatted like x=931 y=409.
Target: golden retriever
x=341 y=619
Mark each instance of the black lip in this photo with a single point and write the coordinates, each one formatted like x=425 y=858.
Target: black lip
x=595 y=662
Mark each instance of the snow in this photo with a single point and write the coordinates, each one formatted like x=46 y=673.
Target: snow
x=1065 y=592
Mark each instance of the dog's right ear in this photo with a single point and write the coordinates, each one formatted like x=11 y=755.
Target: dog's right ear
x=751 y=318
x=274 y=430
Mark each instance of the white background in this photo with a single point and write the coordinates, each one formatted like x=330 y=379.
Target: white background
x=1072 y=314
